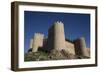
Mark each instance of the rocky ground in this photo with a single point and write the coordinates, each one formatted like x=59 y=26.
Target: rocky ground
x=53 y=55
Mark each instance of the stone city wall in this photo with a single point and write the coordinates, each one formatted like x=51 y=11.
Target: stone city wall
x=70 y=47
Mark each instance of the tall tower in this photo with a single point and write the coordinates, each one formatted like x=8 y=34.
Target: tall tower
x=80 y=47
x=31 y=43
x=37 y=41
x=56 y=37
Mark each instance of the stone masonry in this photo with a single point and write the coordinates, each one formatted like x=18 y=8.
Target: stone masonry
x=37 y=41
x=56 y=41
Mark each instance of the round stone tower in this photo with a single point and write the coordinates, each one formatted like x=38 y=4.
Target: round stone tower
x=31 y=43
x=80 y=47
x=37 y=41
x=59 y=36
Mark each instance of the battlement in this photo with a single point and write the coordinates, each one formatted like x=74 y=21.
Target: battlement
x=58 y=22
x=39 y=34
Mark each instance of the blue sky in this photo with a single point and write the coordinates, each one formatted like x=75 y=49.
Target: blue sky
x=75 y=25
